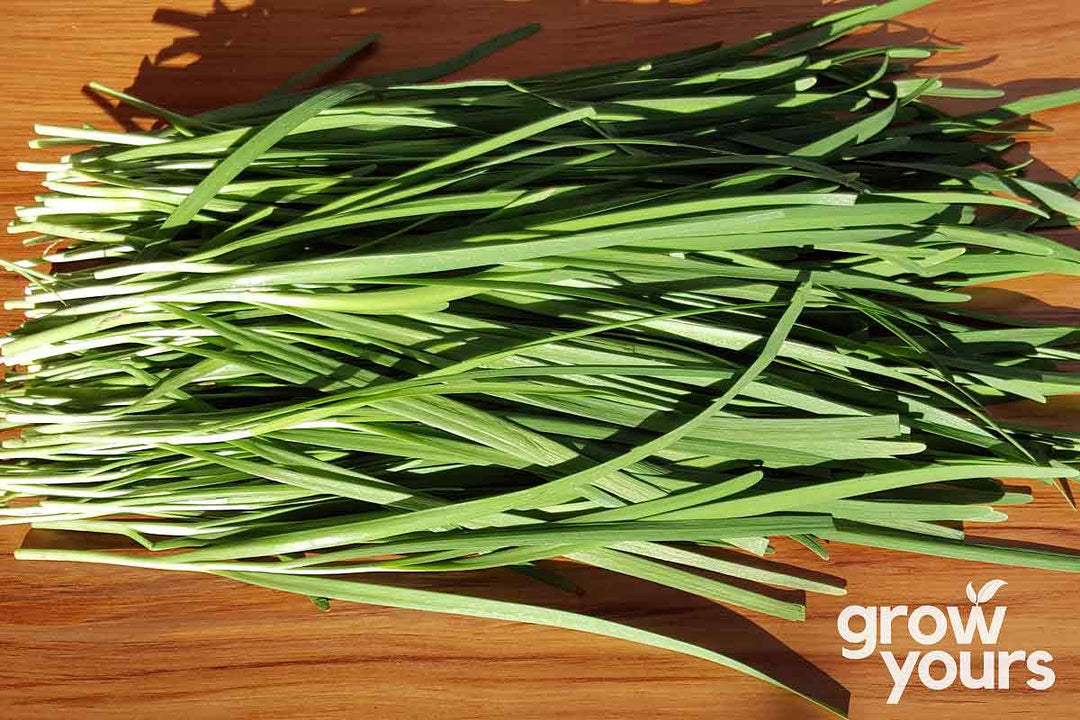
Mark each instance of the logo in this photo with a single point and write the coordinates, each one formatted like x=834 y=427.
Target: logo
x=868 y=629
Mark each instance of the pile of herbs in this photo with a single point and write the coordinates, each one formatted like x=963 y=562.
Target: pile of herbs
x=618 y=315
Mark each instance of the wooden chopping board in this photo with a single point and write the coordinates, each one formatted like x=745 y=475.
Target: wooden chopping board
x=88 y=643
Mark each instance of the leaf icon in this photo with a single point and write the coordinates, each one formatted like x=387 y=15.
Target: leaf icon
x=971 y=594
x=987 y=591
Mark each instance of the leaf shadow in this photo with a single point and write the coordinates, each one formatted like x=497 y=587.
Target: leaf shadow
x=1023 y=544
x=1029 y=309
x=238 y=53
x=656 y=609
x=1029 y=134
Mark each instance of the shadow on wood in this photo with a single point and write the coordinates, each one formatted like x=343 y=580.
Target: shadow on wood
x=234 y=54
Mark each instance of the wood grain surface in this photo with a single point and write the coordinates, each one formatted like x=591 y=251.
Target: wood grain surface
x=84 y=642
